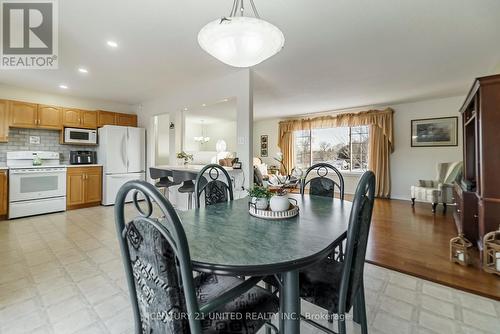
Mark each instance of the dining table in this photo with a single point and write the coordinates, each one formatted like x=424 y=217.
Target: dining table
x=224 y=239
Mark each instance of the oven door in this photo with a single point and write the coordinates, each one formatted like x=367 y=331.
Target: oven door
x=36 y=183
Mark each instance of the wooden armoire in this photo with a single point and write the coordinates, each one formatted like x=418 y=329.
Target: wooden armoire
x=478 y=195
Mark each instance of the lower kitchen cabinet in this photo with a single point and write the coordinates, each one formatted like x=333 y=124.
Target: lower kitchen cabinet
x=83 y=187
x=3 y=193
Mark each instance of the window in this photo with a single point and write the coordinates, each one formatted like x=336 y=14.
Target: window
x=345 y=148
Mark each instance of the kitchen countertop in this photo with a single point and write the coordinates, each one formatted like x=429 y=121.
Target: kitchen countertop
x=194 y=168
x=4 y=167
x=89 y=165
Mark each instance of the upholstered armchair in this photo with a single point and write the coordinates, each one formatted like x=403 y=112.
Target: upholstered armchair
x=439 y=190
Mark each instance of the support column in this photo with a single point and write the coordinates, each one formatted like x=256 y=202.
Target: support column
x=244 y=126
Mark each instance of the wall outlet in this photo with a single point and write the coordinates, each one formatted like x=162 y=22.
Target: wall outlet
x=241 y=140
x=35 y=140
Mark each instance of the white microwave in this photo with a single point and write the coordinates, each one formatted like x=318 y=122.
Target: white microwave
x=80 y=136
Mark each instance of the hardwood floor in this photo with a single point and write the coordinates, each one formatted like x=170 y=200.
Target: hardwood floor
x=416 y=242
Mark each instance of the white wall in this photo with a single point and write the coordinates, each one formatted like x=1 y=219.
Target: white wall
x=408 y=164
x=163 y=139
x=238 y=84
x=225 y=130
x=62 y=100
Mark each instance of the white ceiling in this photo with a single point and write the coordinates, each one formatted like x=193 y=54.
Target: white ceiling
x=212 y=113
x=338 y=53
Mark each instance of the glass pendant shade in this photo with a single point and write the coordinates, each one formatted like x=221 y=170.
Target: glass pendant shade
x=241 y=41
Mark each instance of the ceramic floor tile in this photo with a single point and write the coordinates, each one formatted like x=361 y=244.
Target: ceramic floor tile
x=402 y=294
x=396 y=307
x=438 y=291
x=477 y=303
x=386 y=323
x=438 y=306
x=482 y=321
x=60 y=310
x=437 y=323
x=74 y=322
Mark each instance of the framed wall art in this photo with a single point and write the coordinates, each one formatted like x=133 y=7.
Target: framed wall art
x=433 y=132
x=263 y=145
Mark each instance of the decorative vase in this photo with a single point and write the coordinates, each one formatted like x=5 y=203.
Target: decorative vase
x=260 y=203
x=279 y=203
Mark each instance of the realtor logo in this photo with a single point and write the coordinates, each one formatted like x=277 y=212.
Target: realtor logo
x=29 y=34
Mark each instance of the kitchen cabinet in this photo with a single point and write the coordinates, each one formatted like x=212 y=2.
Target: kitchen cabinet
x=49 y=117
x=116 y=118
x=3 y=192
x=77 y=118
x=4 y=120
x=23 y=114
x=89 y=119
x=71 y=118
x=106 y=118
x=126 y=120
x=83 y=187
x=34 y=116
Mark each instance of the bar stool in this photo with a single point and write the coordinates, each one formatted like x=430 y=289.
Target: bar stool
x=187 y=178
x=163 y=176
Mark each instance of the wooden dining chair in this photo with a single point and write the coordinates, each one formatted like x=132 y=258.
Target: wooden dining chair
x=320 y=184
x=215 y=190
x=338 y=286
x=165 y=296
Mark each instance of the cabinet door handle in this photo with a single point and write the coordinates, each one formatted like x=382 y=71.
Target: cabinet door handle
x=458 y=210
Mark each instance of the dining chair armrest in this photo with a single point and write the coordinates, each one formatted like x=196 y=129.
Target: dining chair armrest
x=229 y=295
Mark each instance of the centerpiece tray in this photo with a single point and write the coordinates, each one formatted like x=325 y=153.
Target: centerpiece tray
x=292 y=211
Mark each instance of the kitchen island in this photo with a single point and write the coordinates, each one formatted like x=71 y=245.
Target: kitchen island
x=180 y=200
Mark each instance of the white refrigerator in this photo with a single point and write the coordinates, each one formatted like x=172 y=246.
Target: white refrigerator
x=121 y=151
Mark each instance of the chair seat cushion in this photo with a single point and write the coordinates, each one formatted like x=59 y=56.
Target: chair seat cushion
x=431 y=195
x=320 y=284
x=165 y=183
x=244 y=315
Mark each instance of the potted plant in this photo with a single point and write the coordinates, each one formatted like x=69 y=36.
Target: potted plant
x=279 y=201
x=260 y=197
x=184 y=156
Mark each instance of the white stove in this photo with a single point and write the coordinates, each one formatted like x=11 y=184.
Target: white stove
x=35 y=190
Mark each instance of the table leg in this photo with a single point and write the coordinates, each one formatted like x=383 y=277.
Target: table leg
x=291 y=301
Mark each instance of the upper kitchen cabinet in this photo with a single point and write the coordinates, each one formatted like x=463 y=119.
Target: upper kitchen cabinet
x=76 y=118
x=4 y=120
x=89 y=119
x=49 y=117
x=106 y=118
x=34 y=116
x=126 y=120
x=115 y=118
x=23 y=114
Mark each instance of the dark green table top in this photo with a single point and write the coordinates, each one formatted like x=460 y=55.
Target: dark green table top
x=225 y=238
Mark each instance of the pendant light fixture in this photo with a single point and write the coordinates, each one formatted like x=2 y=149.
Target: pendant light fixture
x=239 y=40
x=202 y=139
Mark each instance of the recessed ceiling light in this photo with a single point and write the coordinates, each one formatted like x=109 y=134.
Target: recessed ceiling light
x=112 y=44
x=204 y=105
x=83 y=70
x=225 y=100
x=185 y=109
x=63 y=86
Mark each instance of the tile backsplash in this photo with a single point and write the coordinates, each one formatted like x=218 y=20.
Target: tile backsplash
x=19 y=140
